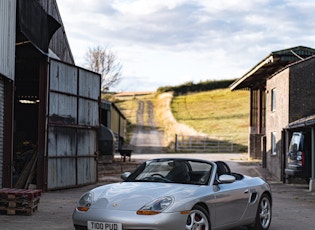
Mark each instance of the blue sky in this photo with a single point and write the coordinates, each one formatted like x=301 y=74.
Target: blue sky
x=170 y=42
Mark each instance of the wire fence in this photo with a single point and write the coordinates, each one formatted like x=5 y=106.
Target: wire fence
x=219 y=144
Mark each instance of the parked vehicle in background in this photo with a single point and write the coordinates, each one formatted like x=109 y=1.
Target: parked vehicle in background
x=299 y=157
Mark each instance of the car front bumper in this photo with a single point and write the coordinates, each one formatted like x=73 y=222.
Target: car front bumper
x=130 y=220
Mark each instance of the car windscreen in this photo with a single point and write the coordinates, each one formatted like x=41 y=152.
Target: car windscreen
x=173 y=171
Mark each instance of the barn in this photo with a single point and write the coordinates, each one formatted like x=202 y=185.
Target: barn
x=49 y=107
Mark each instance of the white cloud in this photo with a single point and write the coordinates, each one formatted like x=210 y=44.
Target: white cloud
x=144 y=7
x=163 y=42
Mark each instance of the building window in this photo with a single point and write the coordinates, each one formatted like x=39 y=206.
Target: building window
x=273 y=100
x=273 y=144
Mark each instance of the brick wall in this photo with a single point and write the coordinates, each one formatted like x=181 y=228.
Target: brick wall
x=295 y=97
x=302 y=90
x=276 y=120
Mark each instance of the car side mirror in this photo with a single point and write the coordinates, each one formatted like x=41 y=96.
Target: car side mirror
x=125 y=175
x=226 y=179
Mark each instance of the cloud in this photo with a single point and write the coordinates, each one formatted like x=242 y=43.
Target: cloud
x=168 y=42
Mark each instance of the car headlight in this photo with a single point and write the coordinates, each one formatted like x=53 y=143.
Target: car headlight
x=156 y=206
x=85 y=202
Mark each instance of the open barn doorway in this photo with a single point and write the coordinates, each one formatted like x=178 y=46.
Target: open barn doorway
x=26 y=112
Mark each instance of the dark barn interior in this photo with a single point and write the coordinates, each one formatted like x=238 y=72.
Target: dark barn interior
x=26 y=112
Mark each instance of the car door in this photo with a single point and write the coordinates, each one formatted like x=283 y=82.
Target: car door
x=231 y=200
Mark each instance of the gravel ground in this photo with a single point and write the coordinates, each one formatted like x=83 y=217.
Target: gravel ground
x=293 y=207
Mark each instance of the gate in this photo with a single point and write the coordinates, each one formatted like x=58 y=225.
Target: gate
x=223 y=144
x=73 y=119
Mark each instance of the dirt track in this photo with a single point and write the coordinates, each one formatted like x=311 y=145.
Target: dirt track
x=146 y=138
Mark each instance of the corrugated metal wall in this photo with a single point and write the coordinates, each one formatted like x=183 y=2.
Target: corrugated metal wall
x=1 y=128
x=114 y=126
x=114 y=120
x=123 y=124
x=7 y=37
x=7 y=61
x=72 y=126
x=117 y=125
x=59 y=43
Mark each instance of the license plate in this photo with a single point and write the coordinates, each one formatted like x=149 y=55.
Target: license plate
x=92 y=225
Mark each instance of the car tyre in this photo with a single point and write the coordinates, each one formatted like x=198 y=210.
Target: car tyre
x=198 y=218
x=263 y=216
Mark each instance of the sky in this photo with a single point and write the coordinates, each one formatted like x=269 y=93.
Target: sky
x=171 y=42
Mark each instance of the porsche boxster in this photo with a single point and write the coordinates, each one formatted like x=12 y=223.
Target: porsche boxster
x=177 y=193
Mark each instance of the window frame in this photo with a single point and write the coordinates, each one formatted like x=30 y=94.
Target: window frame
x=273 y=99
x=273 y=143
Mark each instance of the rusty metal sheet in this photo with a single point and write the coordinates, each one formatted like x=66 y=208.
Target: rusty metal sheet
x=72 y=126
x=60 y=173
x=63 y=77
x=61 y=142
x=88 y=112
x=87 y=172
x=90 y=84
x=7 y=38
x=62 y=108
x=86 y=141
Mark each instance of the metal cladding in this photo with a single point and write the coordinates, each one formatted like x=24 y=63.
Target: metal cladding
x=7 y=38
x=73 y=120
x=36 y=25
x=1 y=127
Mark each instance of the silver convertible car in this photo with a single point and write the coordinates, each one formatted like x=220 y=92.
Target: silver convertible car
x=176 y=193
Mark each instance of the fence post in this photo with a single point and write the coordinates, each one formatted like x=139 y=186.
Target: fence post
x=176 y=143
x=218 y=149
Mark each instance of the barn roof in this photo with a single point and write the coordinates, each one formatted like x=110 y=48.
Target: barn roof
x=256 y=77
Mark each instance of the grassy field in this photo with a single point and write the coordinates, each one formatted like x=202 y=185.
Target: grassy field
x=216 y=113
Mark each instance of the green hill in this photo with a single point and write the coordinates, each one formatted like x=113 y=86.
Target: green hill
x=217 y=113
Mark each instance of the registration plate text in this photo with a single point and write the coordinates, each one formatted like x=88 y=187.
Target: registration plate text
x=92 y=225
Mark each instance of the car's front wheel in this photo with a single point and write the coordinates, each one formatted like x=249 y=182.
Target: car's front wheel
x=198 y=219
x=263 y=216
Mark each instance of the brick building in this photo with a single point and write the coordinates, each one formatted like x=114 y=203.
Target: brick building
x=282 y=92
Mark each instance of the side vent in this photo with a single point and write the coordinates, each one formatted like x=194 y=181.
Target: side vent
x=253 y=197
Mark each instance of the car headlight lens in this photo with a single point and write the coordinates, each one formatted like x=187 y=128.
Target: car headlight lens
x=156 y=206
x=85 y=202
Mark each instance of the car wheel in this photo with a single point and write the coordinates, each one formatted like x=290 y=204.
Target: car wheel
x=198 y=219
x=263 y=216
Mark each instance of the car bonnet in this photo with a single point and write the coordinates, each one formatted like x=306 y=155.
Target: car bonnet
x=131 y=196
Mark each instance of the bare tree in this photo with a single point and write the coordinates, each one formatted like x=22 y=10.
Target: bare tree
x=103 y=61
